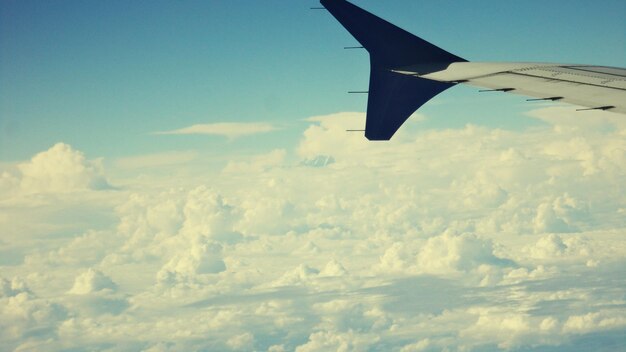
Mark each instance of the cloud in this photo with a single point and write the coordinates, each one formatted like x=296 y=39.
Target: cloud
x=86 y=249
x=9 y=184
x=92 y=281
x=450 y=253
x=185 y=267
x=509 y=329
x=26 y=318
x=564 y=119
x=593 y=322
x=243 y=342
x=60 y=169
x=421 y=345
x=12 y=288
x=334 y=341
x=560 y=215
x=550 y=246
x=334 y=269
x=226 y=129
x=298 y=276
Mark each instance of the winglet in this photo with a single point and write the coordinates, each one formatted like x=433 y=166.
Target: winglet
x=393 y=97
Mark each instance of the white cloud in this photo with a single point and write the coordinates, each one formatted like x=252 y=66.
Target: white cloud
x=25 y=318
x=506 y=328
x=564 y=119
x=559 y=215
x=61 y=169
x=550 y=246
x=87 y=249
x=91 y=281
x=334 y=269
x=226 y=129
x=421 y=345
x=9 y=183
x=450 y=253
x=595 y=321
x=12 y=288
x=200 y=259
x=298 y=276
x=243 y=342
x=333 y=341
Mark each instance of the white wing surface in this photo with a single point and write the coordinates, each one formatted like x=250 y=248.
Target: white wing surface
x=592 y=87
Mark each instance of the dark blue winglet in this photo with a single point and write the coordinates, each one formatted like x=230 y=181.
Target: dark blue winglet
x=393 y=97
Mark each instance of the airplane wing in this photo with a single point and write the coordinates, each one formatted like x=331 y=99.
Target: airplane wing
x=593 y=87
x=407 y=71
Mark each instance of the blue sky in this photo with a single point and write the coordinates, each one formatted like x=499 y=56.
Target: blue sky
x=93 y=73
x=487 y=223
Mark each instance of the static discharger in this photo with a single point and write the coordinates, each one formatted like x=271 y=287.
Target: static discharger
x=355 y=130
x=358 y=92
x=353 y=47
x=598 y=108
x=497 y=90
x=542 y=99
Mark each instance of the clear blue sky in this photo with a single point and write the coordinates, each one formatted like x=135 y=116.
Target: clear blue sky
x=103 y=75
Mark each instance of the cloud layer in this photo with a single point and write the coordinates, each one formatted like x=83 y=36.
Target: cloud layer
x=459 y=239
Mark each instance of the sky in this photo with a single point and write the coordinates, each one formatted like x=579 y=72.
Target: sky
x=176 y=175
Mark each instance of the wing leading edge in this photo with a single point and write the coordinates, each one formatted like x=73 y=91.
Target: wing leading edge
x=593 y=87
x=407 y=71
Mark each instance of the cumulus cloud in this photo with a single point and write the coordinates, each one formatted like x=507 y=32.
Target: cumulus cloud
x=508 y=329
x=560 y=215
x=26 y=318
x=334 y=268
x=461 y=253
x=594 y=321
x=184 y=267
x=91 y=281
x=94 y=294
x=207 y=214
x=329 y=134
x=61 y=169
x=550 y=246
x=162 y=224
x=12 y=288
x=226 y=129
x=334 y=341
x=421 y=345
x=445 y=254
x=243 y=342
x=300 y=275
